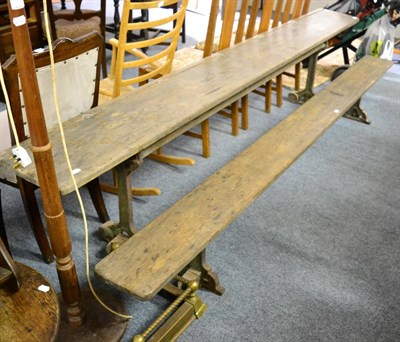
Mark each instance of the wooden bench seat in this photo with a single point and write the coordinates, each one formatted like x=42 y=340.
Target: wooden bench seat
x=146 y=262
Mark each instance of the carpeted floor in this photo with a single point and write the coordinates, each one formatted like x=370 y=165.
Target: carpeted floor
x=315 y=258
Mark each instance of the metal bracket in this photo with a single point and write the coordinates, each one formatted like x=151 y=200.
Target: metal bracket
x=357 y=113
x=208 y=279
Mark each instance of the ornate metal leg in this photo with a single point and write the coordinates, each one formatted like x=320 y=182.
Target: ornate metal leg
x=307 y=93
x=208 y=279
x=125 y=225
x=357 y=113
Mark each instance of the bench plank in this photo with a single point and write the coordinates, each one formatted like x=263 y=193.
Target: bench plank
x=110 y=134
x=149 y=259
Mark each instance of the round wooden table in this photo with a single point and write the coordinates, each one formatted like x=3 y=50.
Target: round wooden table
x=29 y=314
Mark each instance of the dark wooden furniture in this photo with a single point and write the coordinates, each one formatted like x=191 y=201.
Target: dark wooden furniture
x=77 y=21
x=33 y=8
x=81 y=51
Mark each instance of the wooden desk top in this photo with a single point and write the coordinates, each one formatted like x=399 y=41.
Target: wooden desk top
x=105 y=136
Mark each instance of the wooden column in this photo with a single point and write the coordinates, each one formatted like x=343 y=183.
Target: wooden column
x=41 y=148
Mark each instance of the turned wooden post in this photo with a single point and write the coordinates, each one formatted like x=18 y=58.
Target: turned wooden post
x=41 y=148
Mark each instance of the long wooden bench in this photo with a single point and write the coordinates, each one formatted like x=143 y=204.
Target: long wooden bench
x=147 y=261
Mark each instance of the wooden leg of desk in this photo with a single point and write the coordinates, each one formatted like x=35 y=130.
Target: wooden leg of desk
x=98 y=200
x=205 y=136
x=245 y=112
x=268 y=96
x=278 y=87
x=235 y=118
x=27 y=191
x=297 y=74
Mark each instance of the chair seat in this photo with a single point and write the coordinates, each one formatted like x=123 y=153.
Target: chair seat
x=183 y=58
x=106 y=87
x=77 y=28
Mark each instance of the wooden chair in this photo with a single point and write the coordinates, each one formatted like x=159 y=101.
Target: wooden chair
x=174 y=7
x=128 y=57
x=3 y=235
x=215 y=43
x=273 y=16
x=75 y=22
x=78 y=73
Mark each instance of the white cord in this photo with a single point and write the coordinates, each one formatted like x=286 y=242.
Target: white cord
x=53 y=77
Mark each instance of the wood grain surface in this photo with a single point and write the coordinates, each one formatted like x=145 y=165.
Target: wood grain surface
x=29 y=314
x=111 y=133
x=149 y=259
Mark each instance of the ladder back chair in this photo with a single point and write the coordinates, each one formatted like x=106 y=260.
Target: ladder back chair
x=75 y=21
x=276 y=13
x=174 y=7
x=217 y=42
x=78 y=73
x=128 y=57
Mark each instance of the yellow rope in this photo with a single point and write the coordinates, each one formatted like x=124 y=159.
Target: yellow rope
x=53 y=77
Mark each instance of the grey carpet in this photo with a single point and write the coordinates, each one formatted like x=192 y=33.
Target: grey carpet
x=315 y=258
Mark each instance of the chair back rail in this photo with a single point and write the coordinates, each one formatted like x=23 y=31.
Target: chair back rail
x=76 y=22
x=68 y=55
x=283 y=11
x=163 y=67
x=121 y=66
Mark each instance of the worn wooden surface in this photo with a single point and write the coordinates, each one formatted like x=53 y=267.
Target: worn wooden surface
x=29 y=314
x=111 y=133
x=149 y=259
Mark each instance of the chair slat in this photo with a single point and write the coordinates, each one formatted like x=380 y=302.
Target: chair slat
x=253 y=19
x=287 y=11
x=227 y=27
x=277 y=13
x=211 y=28
x=266 y=16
